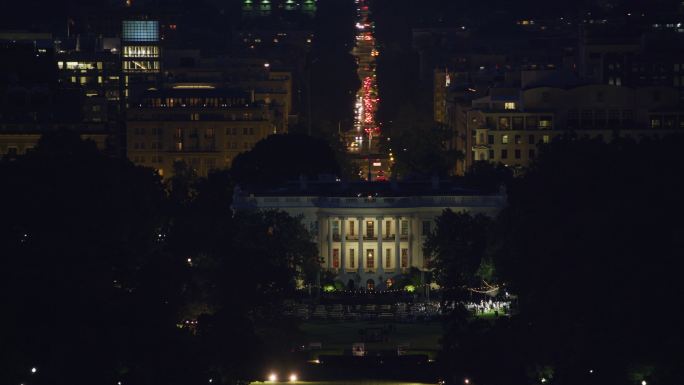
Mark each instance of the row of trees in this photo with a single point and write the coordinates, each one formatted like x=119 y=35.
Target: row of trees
x=591 y=241
x=102 y=264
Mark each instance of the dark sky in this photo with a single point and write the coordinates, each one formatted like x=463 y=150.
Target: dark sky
x=42 y=14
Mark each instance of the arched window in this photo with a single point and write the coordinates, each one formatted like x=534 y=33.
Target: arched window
x=370 y=285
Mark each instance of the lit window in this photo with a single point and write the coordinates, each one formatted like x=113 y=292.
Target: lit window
x=370 y=259
x=655 y=122
x=546 y=139
x=336 y=259
x=336 y=229
x=404 y=228
x=545 y=122
x=404 y=258
x=504 y=139
x=509 y=105
x=370 y=229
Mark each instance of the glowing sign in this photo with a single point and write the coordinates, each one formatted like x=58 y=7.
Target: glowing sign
x=140 y=31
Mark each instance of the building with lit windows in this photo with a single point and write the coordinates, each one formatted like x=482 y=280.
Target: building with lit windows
x=35 y=102
x=97 y=75
x=140 y=56
x=370 y=233
x=251 y=8
x=507 y=125
x=255 y=76
x=202 y=126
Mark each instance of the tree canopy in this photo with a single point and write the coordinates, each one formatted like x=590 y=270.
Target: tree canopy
x=590 y=243
x=101 y=264
x=281 y=158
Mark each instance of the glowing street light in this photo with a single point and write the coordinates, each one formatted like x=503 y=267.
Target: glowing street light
x=466 y=381
x=272 y=377
x=293 y=377
x=34 y=369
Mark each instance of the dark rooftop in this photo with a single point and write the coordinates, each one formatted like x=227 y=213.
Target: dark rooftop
x=366 y=189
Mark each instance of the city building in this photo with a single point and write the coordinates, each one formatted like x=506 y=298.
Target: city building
x=508 y=125
x=140 y=56
x=369 y=234
x=255 y=76
x=198 y=124
x=33 y=100
x=21 y=138
x=97 y=75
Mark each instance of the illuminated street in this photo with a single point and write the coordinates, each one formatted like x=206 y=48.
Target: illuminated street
x=363 y=140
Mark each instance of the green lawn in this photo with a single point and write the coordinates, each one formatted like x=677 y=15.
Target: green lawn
x=423 y=338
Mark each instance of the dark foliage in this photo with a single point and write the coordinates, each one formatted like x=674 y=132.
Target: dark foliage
x=281 y=158
x=591 y=243
x=100 y=264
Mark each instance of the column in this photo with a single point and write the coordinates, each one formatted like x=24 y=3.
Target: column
x=379 y=254
x=361 y=251
x=330 y=243
x=343 y=251
x=397 y=245
x=410 y=243
x=321 y=237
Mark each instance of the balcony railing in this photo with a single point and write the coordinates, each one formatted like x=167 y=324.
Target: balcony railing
x=352 y=237
x=336 y=237
x=370 y=238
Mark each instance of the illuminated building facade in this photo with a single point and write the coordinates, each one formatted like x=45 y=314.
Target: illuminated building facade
x=251 y=8
x=140 y=56
x=38 y=102
x=197 y=124
x=370 y=233
x=97 y=75
x=266 y=85
x=507 y=127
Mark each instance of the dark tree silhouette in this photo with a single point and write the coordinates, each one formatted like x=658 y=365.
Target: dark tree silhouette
x=282 y=158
